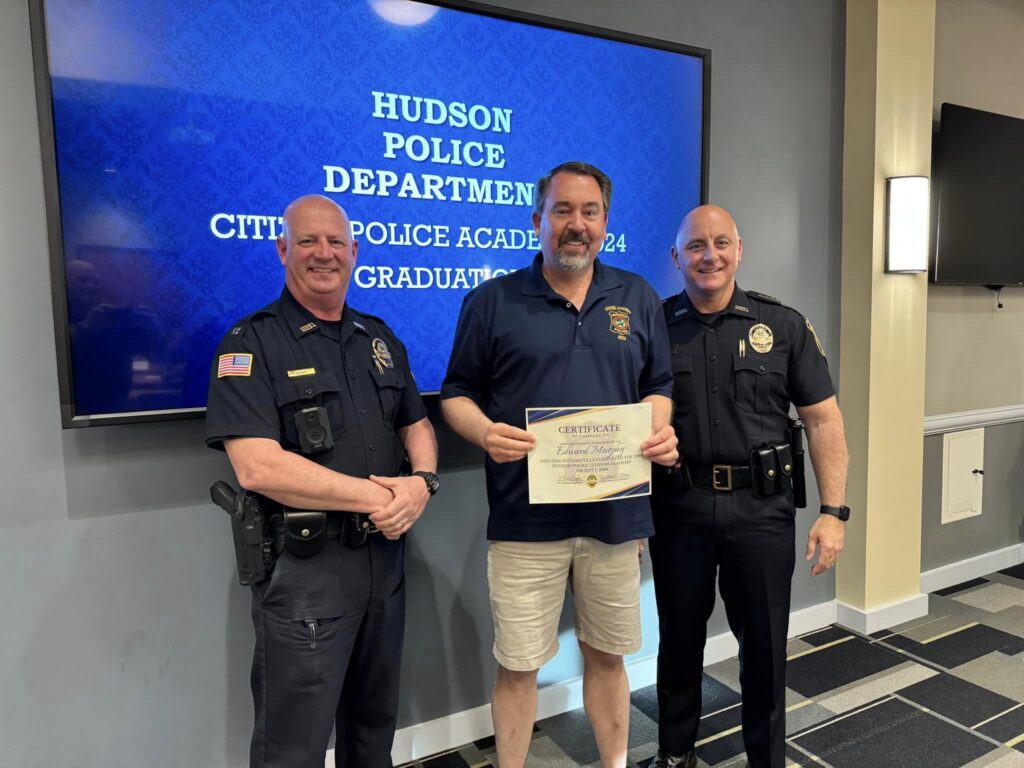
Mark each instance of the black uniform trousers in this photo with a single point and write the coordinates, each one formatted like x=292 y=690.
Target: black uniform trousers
x=329 y=633
x=750 y=544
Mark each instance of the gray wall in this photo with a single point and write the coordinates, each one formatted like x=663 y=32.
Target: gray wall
x=1001 y=522
x=126 y=640
x=974 y=350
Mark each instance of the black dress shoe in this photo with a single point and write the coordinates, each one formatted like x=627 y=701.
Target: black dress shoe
x=665 y=760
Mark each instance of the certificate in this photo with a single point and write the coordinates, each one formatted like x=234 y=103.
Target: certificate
x=588 y=454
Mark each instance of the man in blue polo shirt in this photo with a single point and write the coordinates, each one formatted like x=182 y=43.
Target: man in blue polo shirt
x=545 y=336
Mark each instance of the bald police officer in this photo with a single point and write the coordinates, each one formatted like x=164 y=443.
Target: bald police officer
x=317 y=409
x=739 y=359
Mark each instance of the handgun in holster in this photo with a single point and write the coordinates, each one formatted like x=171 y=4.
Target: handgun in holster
x=796 y=439
x=254 y=530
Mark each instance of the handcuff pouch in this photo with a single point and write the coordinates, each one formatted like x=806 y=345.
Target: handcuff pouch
x=305 y=531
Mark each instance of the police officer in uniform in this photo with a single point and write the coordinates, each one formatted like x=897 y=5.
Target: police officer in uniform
x=317 y=410
x=739 y=359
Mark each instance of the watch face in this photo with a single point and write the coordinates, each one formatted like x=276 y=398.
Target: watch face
x=843 y=512
x=431 y=480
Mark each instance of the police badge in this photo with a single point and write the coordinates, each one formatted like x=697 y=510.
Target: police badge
x=761 y=338
x=381 y=355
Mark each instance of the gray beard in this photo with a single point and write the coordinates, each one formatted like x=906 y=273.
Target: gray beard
x=573 y=263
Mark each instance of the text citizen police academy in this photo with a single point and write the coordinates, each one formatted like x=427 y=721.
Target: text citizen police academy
x=395 y=107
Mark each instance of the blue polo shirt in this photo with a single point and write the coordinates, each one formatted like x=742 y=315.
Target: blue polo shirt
x=519 y=344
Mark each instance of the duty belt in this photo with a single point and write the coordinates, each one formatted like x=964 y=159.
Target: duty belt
x=334 y=520
x=721 y=477
x=336 y=523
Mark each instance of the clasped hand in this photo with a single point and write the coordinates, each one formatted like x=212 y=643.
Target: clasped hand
x=409 y=499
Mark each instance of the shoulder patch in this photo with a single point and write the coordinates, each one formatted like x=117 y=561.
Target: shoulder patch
x=234 y=364
x=763 y=297
x=814 y=333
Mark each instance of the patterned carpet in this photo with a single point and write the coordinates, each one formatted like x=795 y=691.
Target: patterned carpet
x=943 y=691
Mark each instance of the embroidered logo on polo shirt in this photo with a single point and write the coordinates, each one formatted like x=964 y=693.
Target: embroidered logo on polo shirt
x=761 y=338
x=381 y=355
x=619 y=317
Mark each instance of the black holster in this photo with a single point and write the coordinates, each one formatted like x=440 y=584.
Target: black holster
x=253 y=530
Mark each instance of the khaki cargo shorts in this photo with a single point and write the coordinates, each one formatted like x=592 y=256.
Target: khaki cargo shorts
x=527 y=587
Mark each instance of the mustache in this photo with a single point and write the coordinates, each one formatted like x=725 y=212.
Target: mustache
x=574 y=239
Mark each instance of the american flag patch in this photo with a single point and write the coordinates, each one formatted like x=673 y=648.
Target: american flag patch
x=234 y=365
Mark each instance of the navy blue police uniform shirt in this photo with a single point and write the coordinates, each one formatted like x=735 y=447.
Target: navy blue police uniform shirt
x=519 y=344
x=282 y=359
x=736 y=373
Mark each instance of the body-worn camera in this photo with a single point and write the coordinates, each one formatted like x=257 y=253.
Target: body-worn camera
x=314 y=430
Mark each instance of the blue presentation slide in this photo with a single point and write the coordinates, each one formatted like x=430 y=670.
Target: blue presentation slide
x=183 y=130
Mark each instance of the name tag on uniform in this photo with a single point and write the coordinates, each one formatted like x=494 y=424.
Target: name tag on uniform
x=301 y=372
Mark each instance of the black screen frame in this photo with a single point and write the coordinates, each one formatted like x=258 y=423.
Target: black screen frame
x=70 y=419
x=942 y=181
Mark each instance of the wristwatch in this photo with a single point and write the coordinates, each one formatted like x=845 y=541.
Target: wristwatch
x=843 y=512
x=430 y=479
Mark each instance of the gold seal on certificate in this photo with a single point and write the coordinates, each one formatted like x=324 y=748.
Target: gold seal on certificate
x=588 y=454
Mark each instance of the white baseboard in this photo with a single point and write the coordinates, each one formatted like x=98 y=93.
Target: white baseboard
x=882 y=617
x=422 y=739
x=451 y=731
x=972 y=568
x=985 y=417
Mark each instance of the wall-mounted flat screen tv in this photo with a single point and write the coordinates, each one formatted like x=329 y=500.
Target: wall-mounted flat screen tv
x=174 y=134
x=979 y=178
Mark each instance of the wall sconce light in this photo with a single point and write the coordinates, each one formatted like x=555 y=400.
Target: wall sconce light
x=906 y=224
